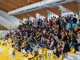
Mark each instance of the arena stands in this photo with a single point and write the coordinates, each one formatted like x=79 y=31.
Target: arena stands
x=55 y=35
x=45 y=31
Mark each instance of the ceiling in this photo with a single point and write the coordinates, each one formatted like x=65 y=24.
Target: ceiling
x=9 y=5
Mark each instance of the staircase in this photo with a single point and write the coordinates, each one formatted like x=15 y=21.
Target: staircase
x=73 y=56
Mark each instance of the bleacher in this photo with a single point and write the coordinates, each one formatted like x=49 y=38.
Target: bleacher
x=42 y=54
x=40 y=30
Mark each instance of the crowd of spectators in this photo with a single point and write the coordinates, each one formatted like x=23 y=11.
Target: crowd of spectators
x=58 y=34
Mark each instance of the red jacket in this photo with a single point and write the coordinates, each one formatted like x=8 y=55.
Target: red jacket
x=33 y=23
x=49 y=23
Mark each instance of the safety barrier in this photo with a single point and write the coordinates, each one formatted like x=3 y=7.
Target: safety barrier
x=7 y=43
x=6 y=55
x=9 y=26
x=71 y=51
x=39 y=57
x=6 y=52
x=34 y=53
x=38 y=54
x=47 y=55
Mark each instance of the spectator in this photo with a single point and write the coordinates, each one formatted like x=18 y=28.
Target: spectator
x=74 y=22
x=55 y=35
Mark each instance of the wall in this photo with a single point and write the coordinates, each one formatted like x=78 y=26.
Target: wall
x=6 y=19
x=11 y=19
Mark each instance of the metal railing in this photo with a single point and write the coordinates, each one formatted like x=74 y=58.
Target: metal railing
x=8 y=26
x=42 y=54
x=6 y=52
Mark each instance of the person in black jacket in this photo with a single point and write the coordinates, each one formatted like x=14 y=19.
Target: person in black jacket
x=66 y=48
x=64 y=37
x=73 y=41
x=56 y=53
x=74 y=22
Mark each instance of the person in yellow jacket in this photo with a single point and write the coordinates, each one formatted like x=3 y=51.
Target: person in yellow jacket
x=25 y=22
x=53 y=22
x=20 y=25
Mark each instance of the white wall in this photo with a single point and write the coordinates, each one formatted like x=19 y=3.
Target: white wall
x=50 y=14
x=11 y=19
x=38 y=16
x=63 y=14
x=6 y=19
x=6 y=23
x=24 y=19
x=31 y=18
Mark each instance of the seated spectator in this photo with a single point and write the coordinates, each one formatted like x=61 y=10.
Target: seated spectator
x=56 y=53
x=54 y=35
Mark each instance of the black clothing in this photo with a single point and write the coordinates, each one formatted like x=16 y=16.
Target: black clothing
x=74 y=20
x=66 y=48
x=64 y=38
x=57 y=53
x=58 y=22
x=74 y=40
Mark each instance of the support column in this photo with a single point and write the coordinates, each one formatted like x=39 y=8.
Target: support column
x=79 y=10
x=61 y=13
x=79 y=14
x=29 y=17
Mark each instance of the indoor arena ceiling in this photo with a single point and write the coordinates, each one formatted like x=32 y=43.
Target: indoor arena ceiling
x=9 y=5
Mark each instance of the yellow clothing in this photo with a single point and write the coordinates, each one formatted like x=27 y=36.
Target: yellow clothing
x=53 y=21
x=24 y=22
x=20 y=23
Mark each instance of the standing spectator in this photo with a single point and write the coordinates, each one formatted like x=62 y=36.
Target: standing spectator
x=74 y=22
x=50 y=23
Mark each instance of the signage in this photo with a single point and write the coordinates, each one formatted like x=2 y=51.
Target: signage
x=49 y=53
